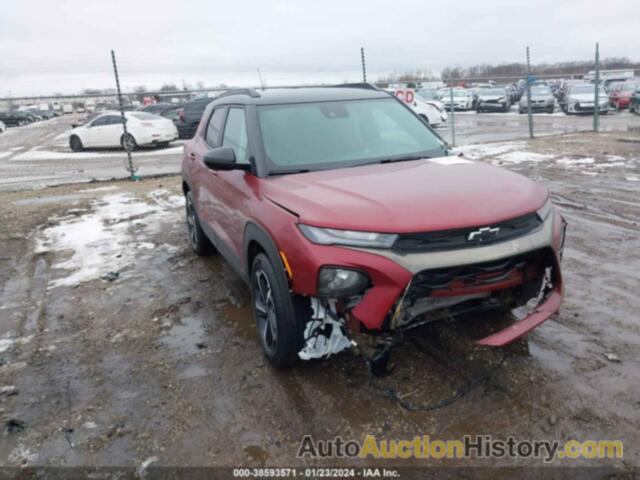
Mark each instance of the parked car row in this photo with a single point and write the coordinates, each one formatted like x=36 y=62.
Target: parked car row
x=573 y=96
x=18 y=118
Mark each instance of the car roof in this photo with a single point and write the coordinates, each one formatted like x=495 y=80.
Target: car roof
x=277 y=96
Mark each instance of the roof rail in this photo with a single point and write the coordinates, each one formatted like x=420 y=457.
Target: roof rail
x=240 y=91
x=362 y=85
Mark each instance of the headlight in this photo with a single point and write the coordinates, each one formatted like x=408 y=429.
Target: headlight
x=502 y=100
x=331 y=236
x=341 y=282
x=546 y=210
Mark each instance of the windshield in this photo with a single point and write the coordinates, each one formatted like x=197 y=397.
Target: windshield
x=323 y=135
x=428 y=94
x=144 y=116
x=540 y=91
x=460 y=93
x=492 y=91
x=629 y=87
x=579 y=89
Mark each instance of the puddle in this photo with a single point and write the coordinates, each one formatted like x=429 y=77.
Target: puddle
x=256 y=453
x=184 y=337
x=193 y=371
x=550 y=358
x=241 y=319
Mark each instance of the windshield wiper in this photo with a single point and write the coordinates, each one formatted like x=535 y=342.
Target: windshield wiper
x=408 y=158
x=288 y=172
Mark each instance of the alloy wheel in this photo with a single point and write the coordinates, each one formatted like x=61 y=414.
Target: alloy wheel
x=129 y=143
x=265 y=310
x=191 y=222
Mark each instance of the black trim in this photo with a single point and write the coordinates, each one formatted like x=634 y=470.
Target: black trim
x=226 y=251
x=459 y=238
x=255 y=233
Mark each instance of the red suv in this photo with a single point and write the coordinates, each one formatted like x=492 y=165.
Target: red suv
x=343 y=212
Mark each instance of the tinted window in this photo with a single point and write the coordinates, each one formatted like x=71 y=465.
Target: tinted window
x=100 y=121
x=199 y=106
x=113 y=120
x=215 y=127
x=235 y=134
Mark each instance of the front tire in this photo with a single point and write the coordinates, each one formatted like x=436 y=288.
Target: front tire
x=75 y=143
x=280 y=332
x=198 y=241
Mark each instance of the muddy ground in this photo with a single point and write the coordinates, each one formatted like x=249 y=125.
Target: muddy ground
x=123 y=346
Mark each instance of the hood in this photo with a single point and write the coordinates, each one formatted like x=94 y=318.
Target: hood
x=492 y=97
x=584 y=97
x=414 y=196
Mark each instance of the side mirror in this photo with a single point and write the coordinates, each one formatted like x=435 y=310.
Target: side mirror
x=223 y=158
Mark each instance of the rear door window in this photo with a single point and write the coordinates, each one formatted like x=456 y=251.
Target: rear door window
x=100 y=121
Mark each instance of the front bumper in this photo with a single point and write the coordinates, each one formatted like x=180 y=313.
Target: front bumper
x=392 y=274
x=588 y=107
x=537 y=106
x=497 y=106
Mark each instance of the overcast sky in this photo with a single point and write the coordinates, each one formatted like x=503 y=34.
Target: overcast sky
x=63 y=46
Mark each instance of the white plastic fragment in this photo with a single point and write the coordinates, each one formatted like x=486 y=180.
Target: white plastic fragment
x=323 y=335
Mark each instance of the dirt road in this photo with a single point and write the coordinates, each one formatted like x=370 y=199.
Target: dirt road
x=125 y=347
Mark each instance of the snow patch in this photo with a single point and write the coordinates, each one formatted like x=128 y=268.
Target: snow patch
x=104 y=240
x=575 y=161
x=35 y=155
x=487 y=149
x=520 y=156
x=633 y=178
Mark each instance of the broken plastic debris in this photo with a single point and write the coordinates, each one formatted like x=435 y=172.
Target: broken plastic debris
x=612 y=357
x=14 y=425
x=110 y=276
x=8 y=390
x=323 y=335
x=142 y=469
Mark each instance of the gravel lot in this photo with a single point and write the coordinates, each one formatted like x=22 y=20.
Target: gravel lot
x=124 y=347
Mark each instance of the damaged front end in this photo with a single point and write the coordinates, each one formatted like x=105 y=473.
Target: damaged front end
x=523 y=284
x=432 y=276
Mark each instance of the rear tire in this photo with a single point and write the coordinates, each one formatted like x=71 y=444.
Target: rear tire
x=198 y=241
x=128 y=142
x=279 y=329
x=75 y=143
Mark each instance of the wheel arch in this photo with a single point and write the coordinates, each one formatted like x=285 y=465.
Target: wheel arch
x=257 y=240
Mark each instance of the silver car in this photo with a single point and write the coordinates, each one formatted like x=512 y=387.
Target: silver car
x=542 y=100
x=581 y=99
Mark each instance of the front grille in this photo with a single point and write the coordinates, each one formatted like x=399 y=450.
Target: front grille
x=428 y=281
x=459 y=238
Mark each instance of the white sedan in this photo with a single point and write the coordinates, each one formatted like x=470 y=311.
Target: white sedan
x=106 y=131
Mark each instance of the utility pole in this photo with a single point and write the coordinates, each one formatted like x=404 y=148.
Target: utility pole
x=530 y=117
x=452 y=111
x=364 y=66
x=130 y=166
x=596 y=95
